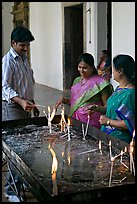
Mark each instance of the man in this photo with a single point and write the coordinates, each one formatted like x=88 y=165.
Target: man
x=17 y=91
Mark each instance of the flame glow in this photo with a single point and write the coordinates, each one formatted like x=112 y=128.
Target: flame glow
x=54 y=161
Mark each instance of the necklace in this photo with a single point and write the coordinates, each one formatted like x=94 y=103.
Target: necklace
x=125 y=85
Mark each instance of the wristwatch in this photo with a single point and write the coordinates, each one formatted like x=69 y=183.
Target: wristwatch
x=108 y=122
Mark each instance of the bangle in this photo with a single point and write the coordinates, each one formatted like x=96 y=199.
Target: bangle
x=108 y=122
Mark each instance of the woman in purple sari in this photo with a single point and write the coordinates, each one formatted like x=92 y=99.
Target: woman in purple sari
x=87 y=89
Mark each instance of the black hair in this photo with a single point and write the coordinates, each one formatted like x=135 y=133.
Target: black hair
x=127 y=64
x=89 y=59
x=106 y=52
x=21 y=34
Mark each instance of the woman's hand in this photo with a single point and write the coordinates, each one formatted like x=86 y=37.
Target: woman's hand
x=61 y=101
x=104 y=120
x=92 y=109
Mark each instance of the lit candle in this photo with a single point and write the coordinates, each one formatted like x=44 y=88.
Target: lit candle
x=132 y=166
x=54 y=170
x=68 y=129
x=63 y=122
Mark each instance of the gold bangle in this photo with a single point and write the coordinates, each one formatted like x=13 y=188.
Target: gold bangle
x=108 y=122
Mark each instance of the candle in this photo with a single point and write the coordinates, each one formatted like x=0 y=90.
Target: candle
x=50 y=117
x=100 y=147
x=68 y=129
x=121 y=155
x=132 y=166
x=49 y=122
x=45 y=114
x=111 y=170
x=83 y=131
x=110 y=151
x=48 y=112
x=63 y=122
x=68 y=153
x=87 y=126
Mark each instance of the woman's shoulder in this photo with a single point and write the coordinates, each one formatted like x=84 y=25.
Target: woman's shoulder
x=76 y=80
x=99 y=78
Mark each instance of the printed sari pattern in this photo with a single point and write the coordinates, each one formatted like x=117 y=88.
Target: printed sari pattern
x=82 y=96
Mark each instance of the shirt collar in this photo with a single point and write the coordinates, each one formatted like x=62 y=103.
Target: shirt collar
x=15 y=54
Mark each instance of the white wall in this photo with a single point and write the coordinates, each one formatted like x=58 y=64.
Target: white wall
x=46 y=26
x=7 y=26
x=91 y=22
x=123 y=29
x=46 y=50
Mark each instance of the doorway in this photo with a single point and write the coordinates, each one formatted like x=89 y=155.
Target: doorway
x=73 y=42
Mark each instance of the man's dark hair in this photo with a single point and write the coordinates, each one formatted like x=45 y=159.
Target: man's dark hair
x=21 y=34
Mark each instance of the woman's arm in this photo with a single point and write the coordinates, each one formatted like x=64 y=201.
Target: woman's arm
x=119 y=124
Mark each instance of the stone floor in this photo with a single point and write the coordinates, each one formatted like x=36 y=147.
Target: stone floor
x=45 y=96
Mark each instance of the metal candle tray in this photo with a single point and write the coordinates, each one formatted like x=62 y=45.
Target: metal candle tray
x=83 y=169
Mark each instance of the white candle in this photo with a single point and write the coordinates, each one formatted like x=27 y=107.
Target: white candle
x=45 y=114
x=100 y=147
x=83 y=131
x=68 y=129
x=87 y=126
x=48 y=112
x=121 y=155
x=110 y=151
x=132 y=166
x=111 y=170
x=68 y=153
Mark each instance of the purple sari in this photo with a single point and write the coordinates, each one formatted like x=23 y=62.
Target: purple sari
x=84 y=95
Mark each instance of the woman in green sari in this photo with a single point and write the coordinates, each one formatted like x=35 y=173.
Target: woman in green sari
x=119 y=120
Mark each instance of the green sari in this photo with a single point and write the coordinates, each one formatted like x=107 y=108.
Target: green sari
x=121 y=106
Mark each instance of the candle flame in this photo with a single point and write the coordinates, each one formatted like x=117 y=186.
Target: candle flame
x=68 y=121
x=54 y=161
x=48 y=109
x=110 y=143
x=68 y=159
